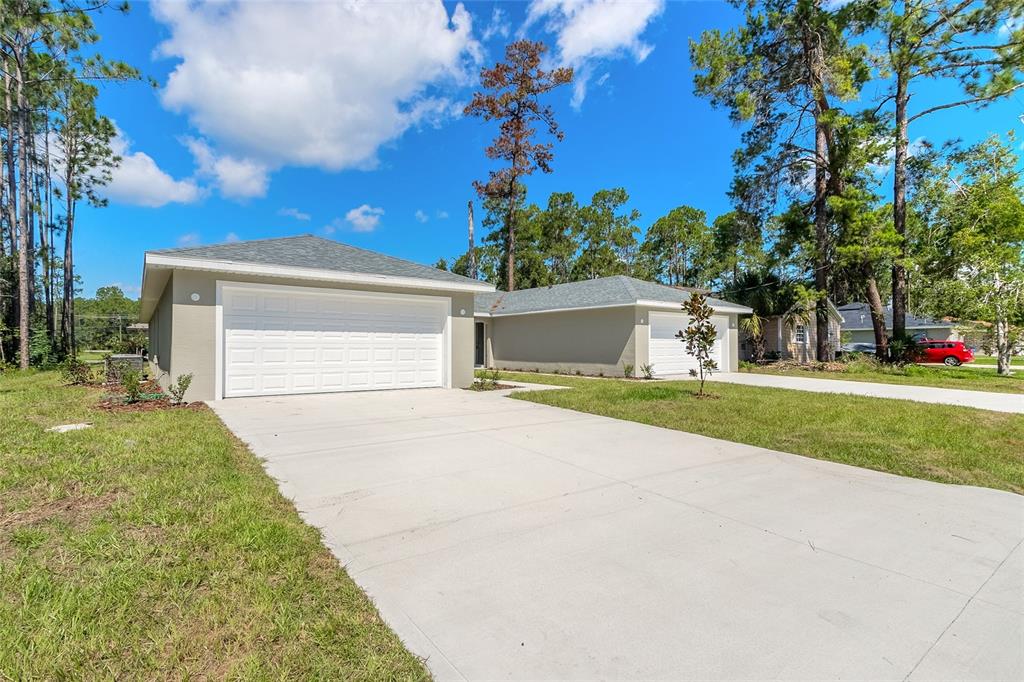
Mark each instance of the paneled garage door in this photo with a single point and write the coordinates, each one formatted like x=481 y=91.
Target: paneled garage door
x=280 y=340
x=668 y=353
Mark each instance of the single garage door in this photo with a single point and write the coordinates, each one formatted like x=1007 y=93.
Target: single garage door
x=281 y=340
x=668 y=353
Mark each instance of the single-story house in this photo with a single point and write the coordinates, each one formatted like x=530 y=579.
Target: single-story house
x=795 y=341
x=857 y=325
x=304 y=315
x=596 y=326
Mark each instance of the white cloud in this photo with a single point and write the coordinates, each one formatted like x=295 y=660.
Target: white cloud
x=914 y=147
x=588 y=31
x=294 y=213
x=236 y=178
x=189 y=239
x=312 y=84
x=364 y=218
x=231 y=238
x=442 y=215
x=421 y=216
x=333 y=226
x=499 y=25
x=139 y=180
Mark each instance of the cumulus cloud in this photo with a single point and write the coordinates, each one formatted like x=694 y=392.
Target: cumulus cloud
x=294 y=213
x=236 y=178
x=590 y=31
x=311 y=84
x=442 y=215
x=231 y=238
x=421 y=216
x=364 y=218
x=139 y=180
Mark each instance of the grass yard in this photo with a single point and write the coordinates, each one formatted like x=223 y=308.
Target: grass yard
x=934 y=442
x=966 y=378
x=1016 y=362
x=153 y=545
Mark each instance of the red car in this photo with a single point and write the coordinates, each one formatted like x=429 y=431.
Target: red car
x=952 y=353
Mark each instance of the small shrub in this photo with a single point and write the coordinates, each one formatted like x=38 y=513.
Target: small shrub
x=75 y=372
x=131 y=381
x=647 y=370
x=579 y=373
x=179 y=388
x=494 y=377
x=627 y=370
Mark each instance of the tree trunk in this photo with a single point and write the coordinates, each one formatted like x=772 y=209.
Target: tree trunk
x=12 y=185
x=46 y=234
x=67 y=322
x=510 y=241
x=823 y=349
x=23 y=227
x=472 y=244
x=899 y=211
x=877 y=313
x=1003 y=356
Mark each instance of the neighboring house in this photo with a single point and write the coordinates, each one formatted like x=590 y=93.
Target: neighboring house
x=304 y=315
x=797 y=341
x=857 y=325
x=596 y=327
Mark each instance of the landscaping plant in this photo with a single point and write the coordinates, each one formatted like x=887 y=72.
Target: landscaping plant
x=75 y=372
x=179 y=388
x=699 y=337
x=647 y=370
x=131 y=381
x=627 y=370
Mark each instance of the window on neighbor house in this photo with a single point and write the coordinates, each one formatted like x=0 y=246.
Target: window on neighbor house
x=800 y=334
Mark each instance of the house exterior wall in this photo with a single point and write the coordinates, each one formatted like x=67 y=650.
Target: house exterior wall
x=160 y=337
x=781 y=339
x=588 y=341
x=193 y=342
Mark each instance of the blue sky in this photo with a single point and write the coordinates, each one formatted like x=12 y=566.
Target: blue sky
x=280 y=119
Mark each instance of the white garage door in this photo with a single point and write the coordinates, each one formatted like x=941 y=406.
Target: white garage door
x=668 y=353
x=280 y=340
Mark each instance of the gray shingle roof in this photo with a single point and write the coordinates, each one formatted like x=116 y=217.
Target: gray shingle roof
x=605 y=291
x=858 y=316
x=308 y=251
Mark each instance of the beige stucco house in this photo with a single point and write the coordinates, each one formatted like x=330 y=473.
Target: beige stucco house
x=596 y=326
x=304 y=315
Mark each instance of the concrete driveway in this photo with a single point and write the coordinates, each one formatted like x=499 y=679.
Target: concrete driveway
x=982 y=400
x=505 y=539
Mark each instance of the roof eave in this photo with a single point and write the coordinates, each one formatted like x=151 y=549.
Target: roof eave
x=164 y=261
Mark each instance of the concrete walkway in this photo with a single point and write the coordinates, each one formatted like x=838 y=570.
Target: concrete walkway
x=503 y=539
x=1001 y=402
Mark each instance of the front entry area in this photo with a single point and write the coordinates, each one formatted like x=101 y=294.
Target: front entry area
x=283 y=339
x=668 y=353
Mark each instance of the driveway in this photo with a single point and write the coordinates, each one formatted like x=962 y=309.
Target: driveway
x=505 y=539
x=983 y=400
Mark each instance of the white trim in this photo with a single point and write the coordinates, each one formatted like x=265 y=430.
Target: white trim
x=162 y=261
x=667 y=305
x=446 y=334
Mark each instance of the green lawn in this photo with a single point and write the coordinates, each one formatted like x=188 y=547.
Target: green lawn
x=917 y=375
x=1016 y=362
x=935 y=442
x=154 y=546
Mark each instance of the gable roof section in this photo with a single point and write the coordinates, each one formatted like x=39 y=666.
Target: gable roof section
x=316 y=253
x=857 y=316
x=605 y=292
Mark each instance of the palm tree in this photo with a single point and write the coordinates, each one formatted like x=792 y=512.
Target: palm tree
x=764 y=292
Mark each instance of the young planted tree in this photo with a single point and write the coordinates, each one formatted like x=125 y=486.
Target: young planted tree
x=511 y=95
x=699 y=337
x=680 y=248
x=931 y=45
